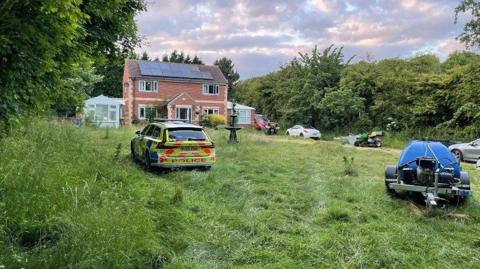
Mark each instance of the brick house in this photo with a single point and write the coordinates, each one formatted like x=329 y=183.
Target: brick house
x=172 y=90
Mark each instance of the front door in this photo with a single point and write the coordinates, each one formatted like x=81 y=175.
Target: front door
x=183 y=113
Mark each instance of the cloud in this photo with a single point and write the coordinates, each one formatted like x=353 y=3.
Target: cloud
x=261 y=35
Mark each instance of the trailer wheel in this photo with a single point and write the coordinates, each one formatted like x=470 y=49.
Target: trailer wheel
x=390 y=173
x=465 y=181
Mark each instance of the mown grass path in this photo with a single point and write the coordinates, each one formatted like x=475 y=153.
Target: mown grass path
x=269 y=202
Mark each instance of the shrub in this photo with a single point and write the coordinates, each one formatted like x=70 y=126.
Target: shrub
x=213 y=120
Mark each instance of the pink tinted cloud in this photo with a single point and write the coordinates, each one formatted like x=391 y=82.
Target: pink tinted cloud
x=242 y=29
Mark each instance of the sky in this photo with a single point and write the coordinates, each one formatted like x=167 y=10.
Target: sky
x=261 y=35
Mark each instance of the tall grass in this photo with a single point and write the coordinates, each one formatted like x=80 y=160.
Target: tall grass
x=70 y=198
x=64 y=202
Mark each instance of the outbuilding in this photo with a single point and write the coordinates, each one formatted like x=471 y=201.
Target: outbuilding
x=104 y=111
x=246 y=114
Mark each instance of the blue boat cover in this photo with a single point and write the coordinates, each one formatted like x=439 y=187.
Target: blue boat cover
x=435 y=150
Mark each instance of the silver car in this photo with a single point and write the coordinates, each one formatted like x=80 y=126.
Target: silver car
x=466 y=151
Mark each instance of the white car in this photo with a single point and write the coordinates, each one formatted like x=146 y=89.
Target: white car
x=305 y=131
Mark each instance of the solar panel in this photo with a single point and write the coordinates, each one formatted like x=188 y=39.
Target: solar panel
x=162 y=69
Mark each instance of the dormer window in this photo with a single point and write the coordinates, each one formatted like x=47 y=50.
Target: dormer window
x=148 y=86
x=211 y=89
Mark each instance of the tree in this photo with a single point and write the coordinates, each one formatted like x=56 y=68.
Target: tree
x=471 y=30
x=340 y=108
x=76 y=88
x=228 y=69
x=42 y=42
x=145 y=56
x=176 y=57
x=37 y=49
x=111 y=37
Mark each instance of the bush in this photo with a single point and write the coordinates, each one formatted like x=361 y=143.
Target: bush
x=213 y=120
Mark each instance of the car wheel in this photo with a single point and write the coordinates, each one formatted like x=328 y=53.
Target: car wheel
x=458 y=154
x=287 y=133
x=301 y=134
x=132 y=153
x=148 y=164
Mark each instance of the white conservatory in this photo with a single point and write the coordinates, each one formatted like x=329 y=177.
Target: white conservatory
x=104 y=111
x=246 y=114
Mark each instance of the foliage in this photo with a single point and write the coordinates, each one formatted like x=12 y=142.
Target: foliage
x=401 y=94
x=76 y=88
x=46 y=47
x=145 y=56
x=340 y=108
x=110 y=36
x=176 y=57
x=151 y=114
x=228 y=69
x=471 y=30
x=213 y=120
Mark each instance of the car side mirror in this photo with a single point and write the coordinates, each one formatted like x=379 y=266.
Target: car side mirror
x=137 y=132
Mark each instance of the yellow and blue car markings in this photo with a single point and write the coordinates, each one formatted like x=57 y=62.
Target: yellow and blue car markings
x=167 y=152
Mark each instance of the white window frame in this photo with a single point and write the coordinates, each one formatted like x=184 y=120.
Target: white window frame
x=189 y=113
x=215 y=110
x=247 y=117
x=142 y=85
x=145 y=111
x=206 y=90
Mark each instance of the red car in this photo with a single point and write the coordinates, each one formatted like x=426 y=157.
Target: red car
x=260 y=121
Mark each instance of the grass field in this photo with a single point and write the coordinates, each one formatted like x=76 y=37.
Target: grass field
x=72 y=198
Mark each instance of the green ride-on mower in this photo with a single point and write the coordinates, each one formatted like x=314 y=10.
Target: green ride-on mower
x=372 y=139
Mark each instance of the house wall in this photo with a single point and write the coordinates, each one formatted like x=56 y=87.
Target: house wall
x=166 y=91
x=127 y=93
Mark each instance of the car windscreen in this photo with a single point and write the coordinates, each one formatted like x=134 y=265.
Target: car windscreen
x=186 y=134
x=308 y=127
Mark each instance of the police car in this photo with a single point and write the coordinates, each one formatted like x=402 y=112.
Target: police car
x=173 y=144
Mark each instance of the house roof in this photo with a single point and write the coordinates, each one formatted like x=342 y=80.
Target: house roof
x=238 y=106
x=104 y=100
x=177 y=71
